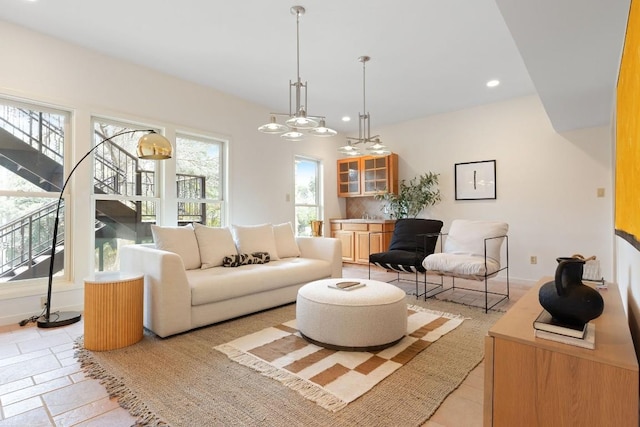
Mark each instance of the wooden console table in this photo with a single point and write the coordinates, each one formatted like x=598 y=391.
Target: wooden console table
x=112 y=310
x=535 y=382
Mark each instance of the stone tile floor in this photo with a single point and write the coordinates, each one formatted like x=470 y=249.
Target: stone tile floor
x=41 y=383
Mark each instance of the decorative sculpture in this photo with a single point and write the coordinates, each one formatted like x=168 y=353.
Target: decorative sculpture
x=566 y=298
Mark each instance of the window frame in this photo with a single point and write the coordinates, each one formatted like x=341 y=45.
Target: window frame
x=158 y=179
x=26 y=285
x=319 y=200
x=222 y=177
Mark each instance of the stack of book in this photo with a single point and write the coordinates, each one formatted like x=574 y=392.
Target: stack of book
x=548 y=328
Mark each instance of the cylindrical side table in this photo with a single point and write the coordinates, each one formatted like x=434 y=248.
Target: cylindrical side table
x=113 y=310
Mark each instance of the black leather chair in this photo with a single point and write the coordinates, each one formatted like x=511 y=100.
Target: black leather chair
x=412 y=240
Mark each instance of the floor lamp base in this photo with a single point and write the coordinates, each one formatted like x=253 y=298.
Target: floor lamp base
x=55 y=320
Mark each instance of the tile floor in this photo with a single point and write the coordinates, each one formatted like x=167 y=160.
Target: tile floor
x=41 y=383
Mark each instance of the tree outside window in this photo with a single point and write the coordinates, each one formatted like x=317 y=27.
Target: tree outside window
x=307 y=195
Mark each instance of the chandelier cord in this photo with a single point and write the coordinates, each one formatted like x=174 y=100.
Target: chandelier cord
x=298 y=46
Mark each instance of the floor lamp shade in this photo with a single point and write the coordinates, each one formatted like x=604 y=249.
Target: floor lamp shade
x=151 y=146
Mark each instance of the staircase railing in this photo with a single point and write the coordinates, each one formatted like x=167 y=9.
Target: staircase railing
x=116 y=172
x=42 y=131
x=28 y=237
x=191 y=187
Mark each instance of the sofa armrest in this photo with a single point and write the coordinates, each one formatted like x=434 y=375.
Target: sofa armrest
x=325 y=248
x=167 y=295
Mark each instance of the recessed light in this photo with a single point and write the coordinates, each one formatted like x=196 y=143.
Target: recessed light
x=493 y=83
x=346 y=119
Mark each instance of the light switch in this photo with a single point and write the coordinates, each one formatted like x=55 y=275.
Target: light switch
x=287 y=197
x=600 y=192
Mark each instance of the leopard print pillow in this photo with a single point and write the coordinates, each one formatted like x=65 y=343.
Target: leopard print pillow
x=236 y=260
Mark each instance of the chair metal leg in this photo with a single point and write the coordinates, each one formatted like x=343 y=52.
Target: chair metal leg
x=486 y=296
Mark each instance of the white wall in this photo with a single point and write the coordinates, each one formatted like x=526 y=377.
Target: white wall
x=546 y=182
x=261 y=171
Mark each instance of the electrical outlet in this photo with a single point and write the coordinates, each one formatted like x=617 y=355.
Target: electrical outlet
x=534 y=259
x=43 y=302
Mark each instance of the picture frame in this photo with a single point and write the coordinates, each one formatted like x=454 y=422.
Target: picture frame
x=475 y=180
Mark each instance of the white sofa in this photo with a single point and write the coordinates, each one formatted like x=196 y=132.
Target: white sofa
x=186 y=286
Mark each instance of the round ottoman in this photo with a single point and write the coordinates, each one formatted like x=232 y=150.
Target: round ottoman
x=368 y=318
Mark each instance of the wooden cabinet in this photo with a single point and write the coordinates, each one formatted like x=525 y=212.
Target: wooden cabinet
x=347 y=241
x=359 y=239
x=349 y=177
x=536 y=382
x=367 y=175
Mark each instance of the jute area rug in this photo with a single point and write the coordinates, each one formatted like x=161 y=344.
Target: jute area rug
x=184 y=381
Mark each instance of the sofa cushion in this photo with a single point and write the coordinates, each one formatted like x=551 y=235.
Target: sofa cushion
x=255 y=238
x=285 y=240
x=215 y=243
x=460 y=265
x=219 y=284
x=179 y=240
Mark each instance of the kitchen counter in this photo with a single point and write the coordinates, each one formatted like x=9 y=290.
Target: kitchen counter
x=364 y=221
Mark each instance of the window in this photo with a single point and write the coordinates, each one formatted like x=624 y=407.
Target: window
x=199 y=180
x=307 y=196
x=124 y=190
x=32 y=142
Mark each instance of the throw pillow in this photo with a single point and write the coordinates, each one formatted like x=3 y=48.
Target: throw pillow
x=236 y=260
x=214 y=243
x=233 y=260
x=179 y=240
x=285 y=241
x=255 y=238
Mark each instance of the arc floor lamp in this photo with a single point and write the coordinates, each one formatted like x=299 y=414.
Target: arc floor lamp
x=151 y=146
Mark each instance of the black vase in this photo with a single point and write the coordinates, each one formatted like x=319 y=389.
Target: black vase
x=567 y=299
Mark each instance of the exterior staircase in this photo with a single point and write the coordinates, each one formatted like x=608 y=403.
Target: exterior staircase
x=27 y=239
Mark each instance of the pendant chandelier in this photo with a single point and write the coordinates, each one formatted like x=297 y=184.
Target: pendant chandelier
x=364 y=128
x=297 y=120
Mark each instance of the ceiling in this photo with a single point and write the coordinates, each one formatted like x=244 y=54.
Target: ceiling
x=427 y=56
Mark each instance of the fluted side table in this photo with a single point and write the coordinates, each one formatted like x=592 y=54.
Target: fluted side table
x=113 y=310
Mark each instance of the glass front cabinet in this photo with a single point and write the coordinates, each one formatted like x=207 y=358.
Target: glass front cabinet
x=367 y=175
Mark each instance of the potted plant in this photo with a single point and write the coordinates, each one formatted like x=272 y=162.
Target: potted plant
x=413 y=196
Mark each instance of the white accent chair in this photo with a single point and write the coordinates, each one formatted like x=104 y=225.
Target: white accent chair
x=472 y=250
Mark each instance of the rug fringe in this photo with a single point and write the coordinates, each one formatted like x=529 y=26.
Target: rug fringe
x=116 y=388
x=305 y=388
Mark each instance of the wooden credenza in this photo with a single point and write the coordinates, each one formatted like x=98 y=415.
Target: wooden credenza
x=535 y=382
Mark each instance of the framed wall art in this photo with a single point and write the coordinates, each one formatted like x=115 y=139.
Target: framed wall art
x=475 y=180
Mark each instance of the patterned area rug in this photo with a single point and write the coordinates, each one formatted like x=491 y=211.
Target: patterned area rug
x=334 y=378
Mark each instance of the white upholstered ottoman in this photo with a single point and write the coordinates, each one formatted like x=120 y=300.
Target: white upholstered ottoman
x=369 y=318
